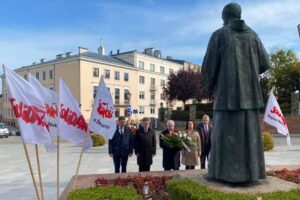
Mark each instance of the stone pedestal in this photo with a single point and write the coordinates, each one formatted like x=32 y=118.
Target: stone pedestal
x=271 y=184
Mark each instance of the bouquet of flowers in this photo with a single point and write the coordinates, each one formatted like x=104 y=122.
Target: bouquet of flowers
x=180 y=140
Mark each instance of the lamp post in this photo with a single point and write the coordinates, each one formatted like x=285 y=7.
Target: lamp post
x=299 y=29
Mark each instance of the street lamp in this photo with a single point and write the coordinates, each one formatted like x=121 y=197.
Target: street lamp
x=299 y=29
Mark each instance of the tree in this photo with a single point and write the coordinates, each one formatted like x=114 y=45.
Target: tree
x=184 y=85
x=284 y=75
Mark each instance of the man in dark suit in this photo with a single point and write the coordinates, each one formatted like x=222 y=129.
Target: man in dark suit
x=145 y=145
x=204 y=129
x=121 y=146
x=171 y=156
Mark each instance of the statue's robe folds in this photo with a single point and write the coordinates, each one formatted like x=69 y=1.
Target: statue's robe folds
x=234 y=59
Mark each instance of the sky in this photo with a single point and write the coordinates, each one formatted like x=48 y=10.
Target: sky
x=31 y=30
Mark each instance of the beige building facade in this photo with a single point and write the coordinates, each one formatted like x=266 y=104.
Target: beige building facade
x=134 y=78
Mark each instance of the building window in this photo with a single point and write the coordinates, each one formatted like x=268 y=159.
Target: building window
x=152 y=96
x=51 y=74
x=126 y=76
x=162 y=70
x=117 y=75
x=125 y=113
x=117 y=112
x=171 y=71
x=162 y=83
x=37 y=75
x=126 y=95
x=95 y=88
x=142 y=80
x=142 y=95
x=152 y=110
x=152 y=81
x=162 y=96
x=141 y=64
x=95 y=72
x=107 y=73
x=142 y=110
x=44 y=75
x=152 y=67
x=117 y=94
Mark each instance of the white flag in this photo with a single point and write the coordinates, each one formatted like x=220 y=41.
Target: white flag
x=72 y=125
x=50 y=99
x=28 y=108
x=274 y=117
x=103 y=120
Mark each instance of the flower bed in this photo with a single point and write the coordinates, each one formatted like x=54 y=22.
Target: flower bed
x=285 y=174
x=105 y=193
x=130 y=188
x=157 y=184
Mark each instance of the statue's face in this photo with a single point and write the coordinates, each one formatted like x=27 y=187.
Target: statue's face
x=225 y=17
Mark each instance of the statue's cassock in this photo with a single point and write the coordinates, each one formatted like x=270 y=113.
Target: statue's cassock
x=234 y=59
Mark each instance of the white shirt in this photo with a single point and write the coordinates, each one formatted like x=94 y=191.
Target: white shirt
x=121 y=130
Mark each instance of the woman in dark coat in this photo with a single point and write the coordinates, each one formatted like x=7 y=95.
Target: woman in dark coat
x=145 y=145
x=171 y=156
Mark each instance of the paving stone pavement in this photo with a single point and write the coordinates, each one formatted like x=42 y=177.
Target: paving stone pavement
x=16 y=182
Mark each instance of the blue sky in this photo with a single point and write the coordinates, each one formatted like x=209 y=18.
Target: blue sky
x=31 y=30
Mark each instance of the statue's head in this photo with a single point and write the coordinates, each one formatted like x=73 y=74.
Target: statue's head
x=231 y=11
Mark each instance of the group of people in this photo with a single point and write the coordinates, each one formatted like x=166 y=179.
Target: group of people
x=142 y=141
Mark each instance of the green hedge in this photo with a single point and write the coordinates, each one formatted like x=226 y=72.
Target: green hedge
x=105 y=193
x=267 y=141
x=180 y=115
x=187 y=189
x=205 y=107
x=98 y=140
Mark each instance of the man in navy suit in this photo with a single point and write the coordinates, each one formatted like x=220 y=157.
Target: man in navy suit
x=204 y=129
x=121 y=145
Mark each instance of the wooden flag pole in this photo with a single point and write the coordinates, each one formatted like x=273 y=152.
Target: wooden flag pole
x=31 y=171
x=57 y=172
x=79 y=161
x=39 y=170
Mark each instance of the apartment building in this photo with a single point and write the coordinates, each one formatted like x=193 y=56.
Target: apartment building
x=134 y=78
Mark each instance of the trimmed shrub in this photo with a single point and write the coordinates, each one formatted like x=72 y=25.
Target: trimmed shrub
x=267 y=141
x=98 y=140
x=187 y=189
x=105 y=193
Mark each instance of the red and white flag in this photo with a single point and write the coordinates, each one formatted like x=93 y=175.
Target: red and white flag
x=50 y=99
x=28 y=108
x=274 y=117
x=72 y=125
x=103 y=120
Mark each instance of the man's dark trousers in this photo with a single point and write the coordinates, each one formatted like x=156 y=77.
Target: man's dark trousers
x=120 y=161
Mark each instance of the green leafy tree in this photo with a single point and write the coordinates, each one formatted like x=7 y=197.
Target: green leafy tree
x=284 y=75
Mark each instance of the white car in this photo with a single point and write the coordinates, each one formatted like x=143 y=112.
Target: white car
x=3 y=130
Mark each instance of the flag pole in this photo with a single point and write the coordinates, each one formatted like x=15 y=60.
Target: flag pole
x=57 y=172
x=31 y=171
x=79 y=161
x=39 y=170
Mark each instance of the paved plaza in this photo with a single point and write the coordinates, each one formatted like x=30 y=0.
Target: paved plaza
x=16 y=183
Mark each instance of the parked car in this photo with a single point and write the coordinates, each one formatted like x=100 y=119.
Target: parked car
x=12 y=130
x=3 y=130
